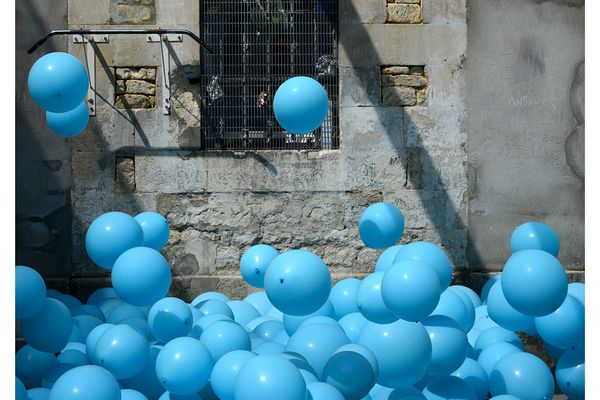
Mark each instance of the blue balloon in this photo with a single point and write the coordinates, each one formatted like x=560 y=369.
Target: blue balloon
x=99 y=295
x=321 y=319
x=352 y=369
x=30 y=292
x=534 y=282
x=430 y=254
x=169 y=318
x=472 y=337
x=553 y=352
x=75 y=346
x=86 y=323
x=260 y=301
x=370 y=301
x=171 y=396
x=505 y=397
x=268 y=377
x=254 y=263
x=381 y=225
x=269 y=348
x=535 y=235
x=146 y=381
x=468 y=306
x=353 y=324
x=505 y=315
x=475 y=300
x=343 y=296
x=106 y=306
x=268 y=330
x=54 y=373
x=38 y=393
x=50 y=328
x=20 y=391
x=299 y=362
x=494 y=353
x=210 y=296
x=292 y=322
x=452 y=305
x=31 y=365
x=300 y=105
x=565 y=327
x=485 y=290
x=156 y=229
x=380 y=390
x=496 y=335
x=405 y=393
x=74 y=357
x=411 y=290
x=243 y=312
x=386 y=259
x=123 y=351
x=225 y=371
x=92 y=340
x=316 y=343
x=124 y=311
x=141 y=276
x=214 y=307
x=449 y=387
x=224 y=336
x=201 y=324
x=58 y=82
x=130 y=394
x=89 y=382
x=323 y=391
x=69 y=123
x=522 y=375
x=483 y=321
x=297 y=282
x=570 y=374
x=474 y=374
x=577 y=290
x=183 y=366
x=403 y=351
x=111 y=235
x=449 y=344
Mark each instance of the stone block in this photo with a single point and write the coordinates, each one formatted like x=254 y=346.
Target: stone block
x=388 y=80
x=422 y=96
x=125 y=174
x=132 y=12
x=395 y=70
x=135 y=101
x=417 y=70
x=405 y=1
x=398 y=96
x=404 y=13
x=119 y=87
x=145 y=73
x=135 y=86
x=410 y=80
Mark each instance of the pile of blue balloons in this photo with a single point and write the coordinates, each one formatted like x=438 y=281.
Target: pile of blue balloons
x=58 y=83
x=401 y=332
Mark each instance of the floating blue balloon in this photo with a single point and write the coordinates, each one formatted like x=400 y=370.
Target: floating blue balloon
x=92 y=340
x=535 y=235
x=292 y=322
x=297 y=282
x=352 y=369
x=300 y=105
x=30 y=292
x=31 y=365
x=214 y=307
x=210 y=296
x=268 y=377
x=577 y=290
x=323 y=391
x=449 y=387
x=430 y=254
x=343 y=296
x=254 y=263
x=449 y=344
x=386 y=259
x=141 y=276
x=58 y=82
x=204 y=322
x=505 y=315
x=370 y=301
x=565 y=327
x=146 y=381
x=485 y=290
x=224 y=336
x=50 y=328
x=496 y=335
x=381 y=225
x=472 y=373
x=169 y=318
x=483 y=321
x=38 y=393
x=534 y=282
x=268 y=330
x=69 y=123
x=130 y=394
x=123 y=351
x=156 y=229
x=411 y=290
x=20 y=391
x=453 y=306
x=522 y=375
x=260 y=301
x=225 y=371
x=269 y=348
x=243 y=312
x=570 y=374
x=353 y=324
x=494 y=353
x=321 y=319
x=89 y=382
x=183 y=366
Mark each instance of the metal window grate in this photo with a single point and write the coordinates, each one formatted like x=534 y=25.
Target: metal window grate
x=258 y=45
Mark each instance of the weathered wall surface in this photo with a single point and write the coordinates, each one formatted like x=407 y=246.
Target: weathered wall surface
x=525 y=76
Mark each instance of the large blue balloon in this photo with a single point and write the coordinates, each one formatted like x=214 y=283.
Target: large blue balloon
x=110 y=235
x=38 y=393
x=343 y=296
x=141 y=276
x=74 y=357
x=123 y=351
x=169 y=318
x=183 y=366
x=54 y=373
x=494 y=353
x=91 y=341
x=124 y=311
x=316 y=343
x=534 y=282
x=146 y=381
x=411 y=290
x=58 y=82
x=254 y=262
x=405 y=393
x=449 y=387
x=20 y=391
x=210 y=296
x=69 y=123
x=89 y=382
x=31 y=365
x=565 y=327
x=204 y=322
x=370 y=301
x=130 y=394
x=468 y=306
x=523 y=375
x=171 y=396
x=452 y=305
x=225 y=371
x=483 y=321
x=449 y=344
x=505 y=397
x=297 y=282
x=577 y=290
x=292 y=322
x=243 y=312
x=535 y=235
x=471 y=372
x=224 y=336
x=214 y=306
x=50 y=328
x=386 y=259
x=323 y=391
x=505 y=315
x=156 y=229
x=430 y=254
x=99 y=295
x=474 y=297
x=352 y=369
x=353 y=324
x=86 y=323
x=260 y=301
x=268 y=330
x=269 y=377
x=496 y=335
x=300 y=105
x=402 y=349
x=485 y=290
x=570 y=374
x=381 y=225
x=30 y=292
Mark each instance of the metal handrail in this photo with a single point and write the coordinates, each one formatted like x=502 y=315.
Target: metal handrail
x=68 y=32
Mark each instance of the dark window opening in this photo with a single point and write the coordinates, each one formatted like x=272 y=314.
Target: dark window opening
x=258 y=45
